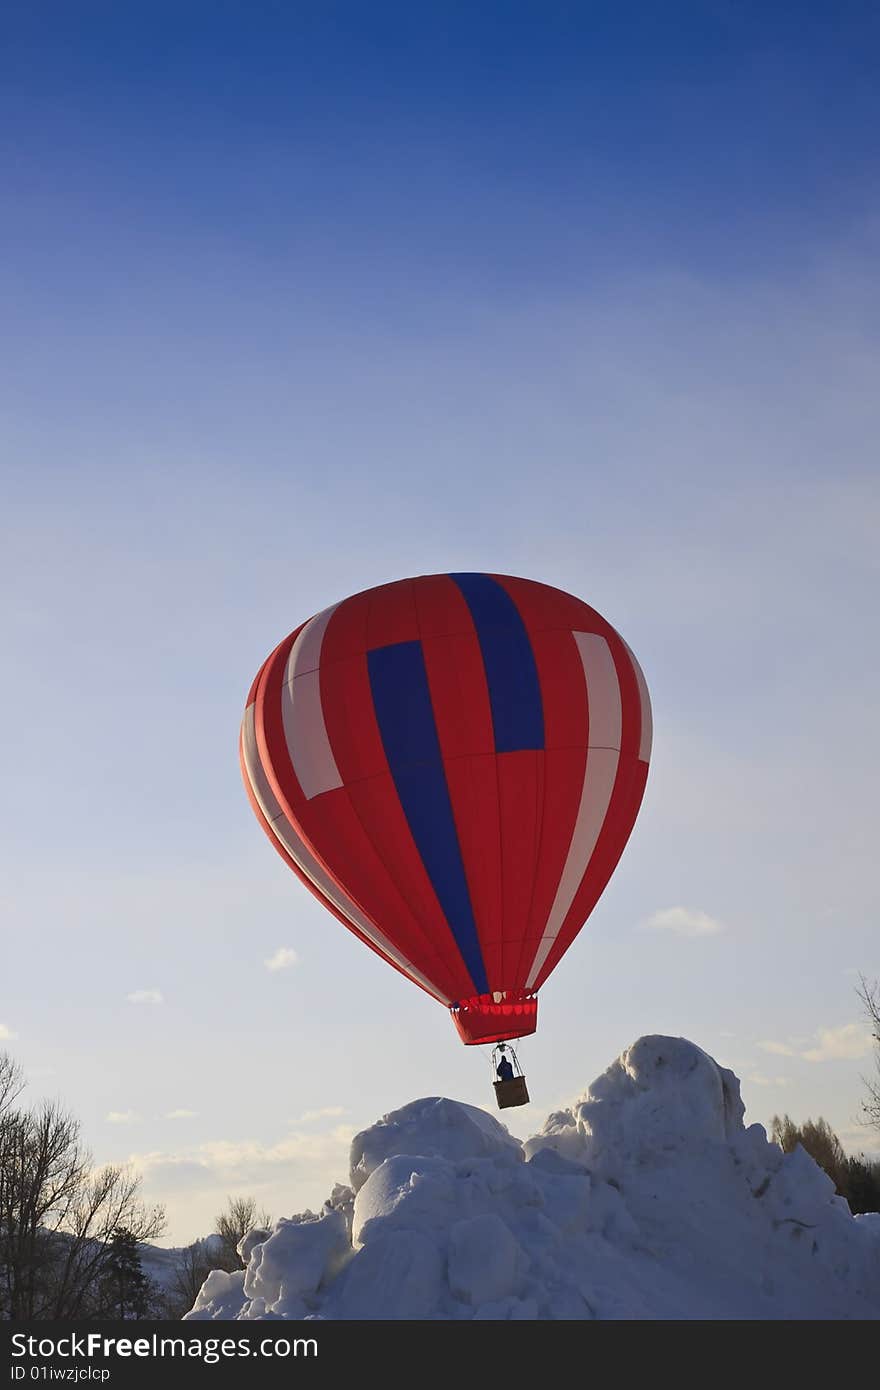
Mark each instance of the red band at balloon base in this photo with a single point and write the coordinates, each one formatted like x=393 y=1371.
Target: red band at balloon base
x=485 y=1019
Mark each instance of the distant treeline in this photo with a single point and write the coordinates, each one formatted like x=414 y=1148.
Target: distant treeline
x=71 y=1235
x=856 y=1179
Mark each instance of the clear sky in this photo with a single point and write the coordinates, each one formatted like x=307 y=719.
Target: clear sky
x=302 y=297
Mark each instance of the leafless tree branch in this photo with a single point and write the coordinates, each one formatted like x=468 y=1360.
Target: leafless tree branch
x=869 y=994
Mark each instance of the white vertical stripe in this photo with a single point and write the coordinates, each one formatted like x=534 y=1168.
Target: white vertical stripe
x=305 y=654
x=302 y=712
x=645 y=700
x=603 y=690
x=600 y=771
x=305 y=860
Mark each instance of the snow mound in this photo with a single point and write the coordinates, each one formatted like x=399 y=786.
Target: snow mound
x=661 y=1096
x=647 y=1198
x=432 y=1128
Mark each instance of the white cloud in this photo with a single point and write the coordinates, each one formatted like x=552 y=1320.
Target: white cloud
x=181 y=1114
x=684 y=921
x=122 y=1117
x=283 y=959
x=328 y=1112
x=145 y=996
x=246 y=1161
x=6 y=1034
x=846 y=1043
x=778 y=1048
x=860 y=1140
x=232 y=1154
x=757 y=1079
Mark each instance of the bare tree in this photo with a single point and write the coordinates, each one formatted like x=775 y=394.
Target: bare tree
x=192 y=1267
x=11 y=1081
x=870 y=997
x=41 y=1169
x=820 y=1142
x=240 y=1216
x=106 y=1202
x=195 y=1262
x=58 y=1216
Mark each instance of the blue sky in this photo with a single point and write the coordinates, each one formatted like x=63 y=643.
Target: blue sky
x=301 y=298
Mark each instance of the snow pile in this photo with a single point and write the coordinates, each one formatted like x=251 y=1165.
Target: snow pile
x=648 y=1198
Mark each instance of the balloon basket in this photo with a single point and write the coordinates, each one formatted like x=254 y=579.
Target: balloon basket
x=512 y=1092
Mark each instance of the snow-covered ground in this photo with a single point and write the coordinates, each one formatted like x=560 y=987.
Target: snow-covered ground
x=160 y=1263
x=647 y=1198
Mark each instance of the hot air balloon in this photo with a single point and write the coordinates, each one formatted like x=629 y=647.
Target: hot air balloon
x=452 y=765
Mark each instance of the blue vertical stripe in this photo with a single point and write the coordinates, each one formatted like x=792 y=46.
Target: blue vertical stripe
x=402 y=701
x=514 y=687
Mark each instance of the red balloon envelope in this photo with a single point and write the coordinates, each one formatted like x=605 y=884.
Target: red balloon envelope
x=452 y=765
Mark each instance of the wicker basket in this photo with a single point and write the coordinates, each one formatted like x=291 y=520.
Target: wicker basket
x=512 y=1092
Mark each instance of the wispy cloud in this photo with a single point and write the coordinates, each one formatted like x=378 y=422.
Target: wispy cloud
x=328 y=1112
x=180 y=1114
x=863 y=1139
x=247 y=1161
x=145 y=996
x=6 y=1034
x=684 y=921
x=847 y=1043
x=283 y=959
x=122 y=1117
x=780 y=1049
x=757 y=1079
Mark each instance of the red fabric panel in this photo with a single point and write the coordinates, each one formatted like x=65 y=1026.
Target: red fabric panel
x=629 y=787
x=493 y=959
x=441 y=606
x=520 y=798
x=563 y=784
x=378 y=809
x=473 y=789
x=337 y=833
x=346 y=633
x=391 y=616
x=511 y=953
x=350 y=719
x=563 y=688
x=630 y=700
x=459 y=694
x=542 y=607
